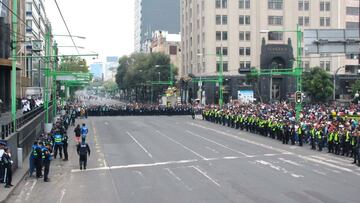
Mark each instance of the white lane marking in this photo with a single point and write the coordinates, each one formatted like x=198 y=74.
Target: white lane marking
x=278 y=168
x=173 y=174
x=106 y=123
x=269 y=154
x=333 y=161
x=214 y=142
x=142 y=147
x=63 y=191
x=213 y=150
x=327 y=164
x=274 y=148
x=178 y=178
x=30 y=190
x=137 y=165
x=242 y=139
x=183 y=146
x=230 y=157
x=289 y=161
x=320 y=172
x=204 y=174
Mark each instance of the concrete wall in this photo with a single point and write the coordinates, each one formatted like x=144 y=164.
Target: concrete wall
x=25 y=136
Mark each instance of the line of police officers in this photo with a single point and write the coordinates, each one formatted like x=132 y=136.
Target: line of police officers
x=130 y=110
x=339 y=141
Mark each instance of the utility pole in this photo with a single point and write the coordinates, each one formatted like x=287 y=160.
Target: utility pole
x=14 y=60
x=47 y=74
x=298 y=70
x=55 y=65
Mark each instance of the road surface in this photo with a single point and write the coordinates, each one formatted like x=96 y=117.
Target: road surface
x=177 y=159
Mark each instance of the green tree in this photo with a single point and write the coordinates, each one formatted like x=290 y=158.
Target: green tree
x=317 y=84
x=355 y=87
x=75 y=64
x=110 y=86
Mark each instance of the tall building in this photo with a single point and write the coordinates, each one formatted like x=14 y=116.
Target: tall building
x=6 y=31
x=97 y=70
x=37 y=24
x=236 y=29
x=168 y=44
x=152 y=15
x=111 y=65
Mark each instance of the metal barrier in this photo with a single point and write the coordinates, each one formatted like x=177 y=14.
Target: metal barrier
x=8 y=129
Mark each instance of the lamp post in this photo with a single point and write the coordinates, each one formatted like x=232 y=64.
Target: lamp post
x=13 y=64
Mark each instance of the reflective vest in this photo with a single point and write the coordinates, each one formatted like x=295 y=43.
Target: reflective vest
x=336 y=137
x=57 y=139
x=318 y=133
x=347 y=137
x=312 y=133
x=331 y=137
x=299 y=130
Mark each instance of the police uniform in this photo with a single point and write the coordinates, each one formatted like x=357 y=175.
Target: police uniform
x=83 y=150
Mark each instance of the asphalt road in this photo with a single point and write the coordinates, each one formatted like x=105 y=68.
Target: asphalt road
x=177 y=159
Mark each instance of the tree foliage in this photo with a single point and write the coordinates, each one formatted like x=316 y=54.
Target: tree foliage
x=110 y=86
x=355 y=87
x=75 y=64
x=317 y=84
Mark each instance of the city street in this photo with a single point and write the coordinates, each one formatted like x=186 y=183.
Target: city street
x=177 y=159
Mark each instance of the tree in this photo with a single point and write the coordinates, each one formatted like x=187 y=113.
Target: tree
x=75 y=64
x=317 y=84
x=355 y=87
x=110 y=86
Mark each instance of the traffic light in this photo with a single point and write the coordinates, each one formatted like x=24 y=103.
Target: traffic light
x=298 y=97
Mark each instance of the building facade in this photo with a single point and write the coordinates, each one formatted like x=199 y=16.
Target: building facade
x=111 y=68
x=168 y=44
x=152 y=15
x=236 y=29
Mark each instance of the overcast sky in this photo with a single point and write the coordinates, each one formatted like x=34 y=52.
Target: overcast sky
x=108 y=25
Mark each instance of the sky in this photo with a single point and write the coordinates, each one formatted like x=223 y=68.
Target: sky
x=108 y=26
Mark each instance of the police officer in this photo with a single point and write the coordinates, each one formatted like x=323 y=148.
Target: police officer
x=58 y=138
x=83 y=150
x=32 y=159
x=65 y=147
x=38 y=160
x=47 y=160
x=84 y=131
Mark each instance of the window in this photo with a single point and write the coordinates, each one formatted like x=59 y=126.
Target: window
x=28 y=26
x=324 y=21
x=225 y=51
x=275 y=4
x=224 y=20
x=218 y=50
x=224 y=3
x=173 y=50
x=245 y=65
x=244 y=4
x=352 y=11
x=328 y=65
x=275 y=36
x=303 y=5
x=324 y=6
x=217 y=3
x=322 y=64
x=304 y=21
x=244 y=20
x=218 y=19
x=241 y=36
x=248 y=64
x=350 y=25
x=225 y=66
x=242 y=51
x=224 y=35
x=218 y=36
x=248 y=51
x=275 y=20
x=247 y=36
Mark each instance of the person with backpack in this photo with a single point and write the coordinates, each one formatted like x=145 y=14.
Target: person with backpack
x=83 y=151
x=77 y=132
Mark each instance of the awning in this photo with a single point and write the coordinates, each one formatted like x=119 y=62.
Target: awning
x=6 y=64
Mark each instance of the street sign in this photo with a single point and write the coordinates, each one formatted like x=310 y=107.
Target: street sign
x=66 y=78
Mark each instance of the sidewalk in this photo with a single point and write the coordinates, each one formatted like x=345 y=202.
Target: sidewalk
x=17 y=177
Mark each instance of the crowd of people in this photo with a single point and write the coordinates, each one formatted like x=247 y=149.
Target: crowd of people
x=321 y=126
x=135 y=109
x=30 y=103
x=55 y=144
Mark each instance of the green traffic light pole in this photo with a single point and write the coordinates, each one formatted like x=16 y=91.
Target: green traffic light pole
x=13 y=64
x=297 y=71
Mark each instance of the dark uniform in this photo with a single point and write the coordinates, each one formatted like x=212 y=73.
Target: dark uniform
x=65 y=147
x=83 y=150
x=6 y=159
x=47 y=159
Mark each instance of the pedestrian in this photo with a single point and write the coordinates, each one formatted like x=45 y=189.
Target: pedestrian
x=32 y=157
x=83 y=151
x=65 y=146
x=47 y=160
x=77 y=132
x=84 y=131
x=6 y=159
